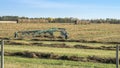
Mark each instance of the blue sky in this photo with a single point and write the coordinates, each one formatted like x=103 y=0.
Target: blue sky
x=85 y=9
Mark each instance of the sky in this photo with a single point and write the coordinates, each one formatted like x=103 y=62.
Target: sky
x=83 y=9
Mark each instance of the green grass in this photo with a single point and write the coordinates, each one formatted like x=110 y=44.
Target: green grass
x=19 y=62
x=61 y=51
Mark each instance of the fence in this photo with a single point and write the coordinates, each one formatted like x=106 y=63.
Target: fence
x=117 y=56
x=2 y=55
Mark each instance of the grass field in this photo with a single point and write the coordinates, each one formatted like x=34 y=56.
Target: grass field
x=61 y=51
x=96 y=32
x=91 y=32
x=19 y=62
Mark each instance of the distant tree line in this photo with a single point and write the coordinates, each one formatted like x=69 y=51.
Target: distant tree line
x=58 y=20
x=107 y=20
x=9 y=18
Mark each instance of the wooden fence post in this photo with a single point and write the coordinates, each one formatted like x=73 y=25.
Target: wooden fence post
x=2 y=53
x=117 y=56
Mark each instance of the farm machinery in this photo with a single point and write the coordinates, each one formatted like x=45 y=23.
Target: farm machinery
x=35 y=33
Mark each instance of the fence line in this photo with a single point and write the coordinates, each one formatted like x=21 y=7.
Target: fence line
x=2 y=54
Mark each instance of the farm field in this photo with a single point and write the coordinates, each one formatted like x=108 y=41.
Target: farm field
x=92 y=32
x=16 y=61
x=88 y=46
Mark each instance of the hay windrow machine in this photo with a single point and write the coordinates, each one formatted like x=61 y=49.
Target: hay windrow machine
x=35 y=33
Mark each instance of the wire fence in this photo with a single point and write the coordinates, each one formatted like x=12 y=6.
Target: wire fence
x=21 y=62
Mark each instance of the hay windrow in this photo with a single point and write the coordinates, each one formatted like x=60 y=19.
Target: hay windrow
x=98 y=48
x=11 y=42
x=60 y=45
x=60 y=40
x=81 y=40
x=62 y=57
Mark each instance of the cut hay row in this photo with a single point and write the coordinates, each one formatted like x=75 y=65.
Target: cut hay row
x=61 y=51
x=62 y=57
x=61 y=40
x=60 y=45
x=82 y=41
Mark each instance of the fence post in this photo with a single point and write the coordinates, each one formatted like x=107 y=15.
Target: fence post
x=2 y=53
x=117 y=56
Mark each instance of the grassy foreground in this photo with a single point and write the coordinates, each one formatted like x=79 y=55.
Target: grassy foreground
x=19 y=62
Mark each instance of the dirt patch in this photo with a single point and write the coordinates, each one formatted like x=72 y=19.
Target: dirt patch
x=63 y=57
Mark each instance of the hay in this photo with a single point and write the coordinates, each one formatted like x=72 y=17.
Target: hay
x=62 y=57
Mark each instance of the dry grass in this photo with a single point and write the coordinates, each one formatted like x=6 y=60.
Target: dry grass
x=8 y=21
x=97 y=32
